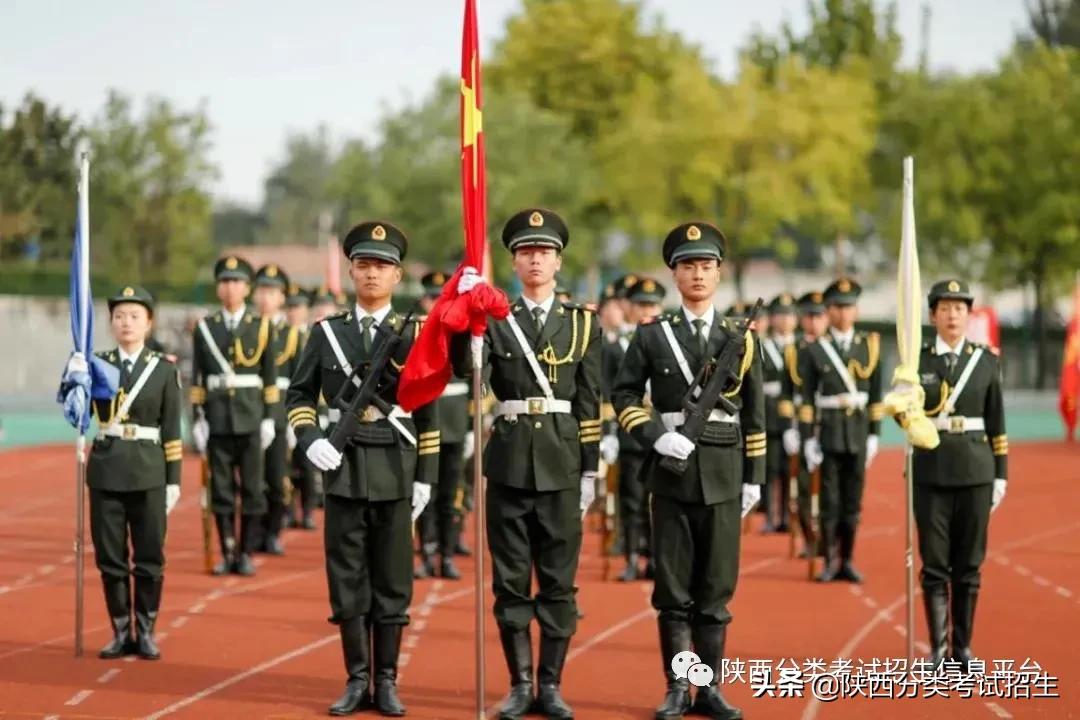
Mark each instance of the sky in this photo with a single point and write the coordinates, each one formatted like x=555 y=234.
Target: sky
x=265 y=69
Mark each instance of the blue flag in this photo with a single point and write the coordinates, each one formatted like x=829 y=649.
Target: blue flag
x=85 y=377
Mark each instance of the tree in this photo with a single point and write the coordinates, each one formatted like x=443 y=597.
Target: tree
x=1055 y=22
x=38 y=177
x=150 y=212
x=297 y=191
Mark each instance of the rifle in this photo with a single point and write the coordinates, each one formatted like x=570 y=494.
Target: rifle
x=207 y=518
x=793 y=503
x=707 y=391
x=815 y=518
x=369 y=379
x=610 y=529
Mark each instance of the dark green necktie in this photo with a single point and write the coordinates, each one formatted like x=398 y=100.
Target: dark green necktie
x=950 y=362
x=365 y=332
x=125 y=373
x=702 y=341
x=538 y=313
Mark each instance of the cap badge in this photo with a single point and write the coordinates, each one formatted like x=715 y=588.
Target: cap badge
x=378 y=233
x=693 y=233
x=271 y=271
x=536 y=220
x=231 y=263
x=954 y=286
x=843 y=286
x=128 y=292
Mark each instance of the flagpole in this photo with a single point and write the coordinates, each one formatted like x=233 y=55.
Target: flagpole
x=479 y=543
x=908 y=211
x=80 y=443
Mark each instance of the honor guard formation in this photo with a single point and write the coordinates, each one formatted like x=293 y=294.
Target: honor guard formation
x=668 y=419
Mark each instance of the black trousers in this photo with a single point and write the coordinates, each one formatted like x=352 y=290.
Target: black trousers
x=776 y=494
x=138 y=517
x=303 y=480
x=234 y=457
x=952 y=524
x=530 y=531
x=842 y=480
x=439 y=521
x=275 y=469
x=696 y=552
x=369 y=559
x=633 y=503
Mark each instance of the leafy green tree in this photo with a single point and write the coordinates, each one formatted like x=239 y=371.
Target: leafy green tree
x=297 y=190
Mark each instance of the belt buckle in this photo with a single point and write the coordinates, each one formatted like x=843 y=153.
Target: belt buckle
x=368 y=415
x=956 y=424
x=127 y=432
x=535 y=405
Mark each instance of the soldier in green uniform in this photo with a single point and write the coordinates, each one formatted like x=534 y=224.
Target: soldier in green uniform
x=839 y=422
x=959 y=483
x=271 y=283
x=646 y=297
x=542 y=458
x=133 y=472
x=812 y=325
x=380 y=482
x=695 y=516
x=439 y=525
x=776 y=337
x=301 y=472
x=233 y=393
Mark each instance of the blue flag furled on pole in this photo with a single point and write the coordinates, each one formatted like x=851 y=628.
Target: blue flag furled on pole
x=86 y=377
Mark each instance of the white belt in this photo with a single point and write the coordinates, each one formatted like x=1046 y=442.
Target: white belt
x=370 y=415
x=228 y=382
x=128 y=431
x=283 y=383
x=455 y=389
x=959 y=424
x=531 y=406
x=843 y=401
x=673 y=420
x=771 y=388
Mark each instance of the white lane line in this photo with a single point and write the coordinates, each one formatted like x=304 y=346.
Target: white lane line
x=79 y=697
x=4 y=589
x=160 y=637
x=179 y=622
x=1063 y=592
x=869 y=602
x=1041 y=581
x=46 y=569
x=1022 y=570
x=998 y=710
x=197 y=608
x=108 y=675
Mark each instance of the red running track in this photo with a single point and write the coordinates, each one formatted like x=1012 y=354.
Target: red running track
x=261 y=647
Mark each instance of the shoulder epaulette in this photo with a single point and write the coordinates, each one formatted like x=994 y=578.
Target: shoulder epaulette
x=338 y=315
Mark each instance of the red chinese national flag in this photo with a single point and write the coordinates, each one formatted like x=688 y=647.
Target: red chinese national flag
x=428 y=369
x=1070 y=371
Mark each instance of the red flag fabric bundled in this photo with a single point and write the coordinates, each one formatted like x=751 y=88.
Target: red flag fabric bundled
x=1069 y=393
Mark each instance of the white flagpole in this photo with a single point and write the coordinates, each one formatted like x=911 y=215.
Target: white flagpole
x=913 y=343
x=80 y=444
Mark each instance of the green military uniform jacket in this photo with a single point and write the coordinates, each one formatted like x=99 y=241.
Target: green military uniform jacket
x=840 y=430
x=729 y=455
x=773 y=375
x=380 y=463
x=285 y=346
x=235 y=411
x=551 y=451
x=963 y=458
x=453 y=408
x=612 y=354
x=124 y=465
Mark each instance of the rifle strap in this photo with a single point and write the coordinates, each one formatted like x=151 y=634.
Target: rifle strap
x=215 y=351
x=530 y=357
x=680 y=357
x=961 y=383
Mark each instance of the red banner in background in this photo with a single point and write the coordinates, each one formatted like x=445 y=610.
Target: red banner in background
x=1069 y=392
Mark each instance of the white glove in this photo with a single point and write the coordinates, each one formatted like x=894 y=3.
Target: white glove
x=421 y=495
x=998 y=494
x=323 y=455
x=470 y=445
x=290 y=437
x=588 y=490
x=674 y=445
x=812 y=453
x=791 y=441
x=871 y=449
x=200 y=434
x=172 y=496
x=750 y=496
x=609 y=449
x=469 y=279
x=266 y=433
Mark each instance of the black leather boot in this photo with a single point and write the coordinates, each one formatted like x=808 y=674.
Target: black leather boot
x=674 y=638
x=355 y=647
x=426 y=568
x=448 y=569
x=387 y=646
x=147 y=601
x=549 y=701
x=118 y=603
x=517 y=649
x=936 y=602
x=831 y=568
x=250 y=535
x=963 y=622
x=630 y=573
x=227 y=541
x=272 y=529
x=847 y=571
x=709 y=645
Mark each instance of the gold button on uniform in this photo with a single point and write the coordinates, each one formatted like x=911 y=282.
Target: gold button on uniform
x=538 y=425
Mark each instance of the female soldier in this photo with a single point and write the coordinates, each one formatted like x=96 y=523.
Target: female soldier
x=134 y=475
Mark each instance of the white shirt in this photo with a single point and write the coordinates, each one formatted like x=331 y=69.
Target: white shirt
x=843 y=339
x=545 y=306
x=783 y=341
x=379 y=316
x=941 y=347
x=707 y=317
x=134 y=357
x=232 y=320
